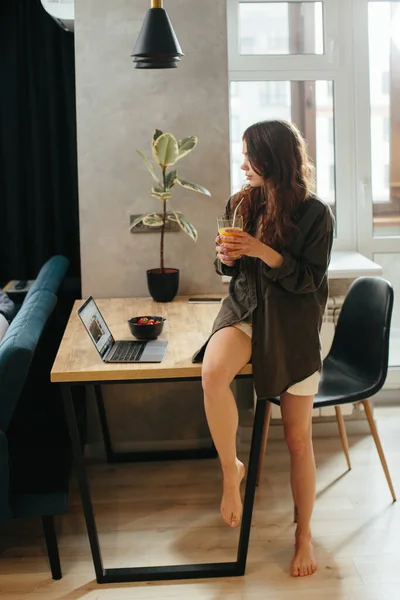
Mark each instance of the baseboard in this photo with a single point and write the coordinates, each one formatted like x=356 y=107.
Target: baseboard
x=387 y=397
x=95 y=450
x=325 y=428
x=356 y=424
x=328 y=428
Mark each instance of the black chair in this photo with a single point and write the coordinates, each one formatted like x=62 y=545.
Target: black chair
x=356 y=366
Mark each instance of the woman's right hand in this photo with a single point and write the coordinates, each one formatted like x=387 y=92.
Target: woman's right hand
x=222 y=253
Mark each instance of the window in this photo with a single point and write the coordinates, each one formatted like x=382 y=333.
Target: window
x=280 y=28
x=386 y=129
x=331 y=131
x=332 y=177
x=233 y=89
x=335 y=71
x=236 y=133
x=306 y=103
x=385 y=83
x=248 y=45
x=275 y=93
x=294 y=74
x=386 y=176
x=384 y=66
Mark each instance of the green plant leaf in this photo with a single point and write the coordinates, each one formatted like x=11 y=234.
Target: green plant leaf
x=186 y=145
x=184 y=224
x=160 y=194
x=150 y=219
x=153 y=220
x=170 y=179
x=156 y=134
x=166 y=150
x=150 y=166
x=136 y=222
x=195 y=187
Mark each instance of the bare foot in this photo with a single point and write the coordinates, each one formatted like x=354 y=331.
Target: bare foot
x=304 y=562
x=231 y=504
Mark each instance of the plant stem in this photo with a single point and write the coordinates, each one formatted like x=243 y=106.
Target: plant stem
x=164 y=218
x=162 y=235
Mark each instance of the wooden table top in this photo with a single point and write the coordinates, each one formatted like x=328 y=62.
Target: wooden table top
x=187 y=328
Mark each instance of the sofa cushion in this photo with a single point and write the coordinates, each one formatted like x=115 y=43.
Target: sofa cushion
x=17 y=349
x=50 y=275
x=7 y=307
x=3 y=326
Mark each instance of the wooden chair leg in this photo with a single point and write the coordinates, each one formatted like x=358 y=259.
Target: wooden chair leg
x=343 y=435
x=264 y=439
x=375 y=435
x=52 y=547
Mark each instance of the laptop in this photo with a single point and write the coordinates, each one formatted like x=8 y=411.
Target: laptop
x=112 y=351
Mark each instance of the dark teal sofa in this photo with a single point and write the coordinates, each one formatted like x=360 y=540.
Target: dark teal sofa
x=35 y=456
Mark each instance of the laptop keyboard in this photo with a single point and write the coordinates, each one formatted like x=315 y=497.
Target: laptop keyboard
x=128 y=352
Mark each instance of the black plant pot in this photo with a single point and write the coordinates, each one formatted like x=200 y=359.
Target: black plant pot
x=163 y=287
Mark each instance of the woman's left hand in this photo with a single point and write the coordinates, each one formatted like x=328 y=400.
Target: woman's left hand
x=243 y=243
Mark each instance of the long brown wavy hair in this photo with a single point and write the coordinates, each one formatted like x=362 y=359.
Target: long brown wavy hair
x=278 y=152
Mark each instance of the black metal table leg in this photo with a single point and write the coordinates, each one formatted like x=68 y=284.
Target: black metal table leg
x=103 y=423
x=170 y=572
x=251 y=483
x=144 y=456
x=83 y=482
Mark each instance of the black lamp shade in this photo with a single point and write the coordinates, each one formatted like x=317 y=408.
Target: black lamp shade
x=149 y=63
x=157 y=46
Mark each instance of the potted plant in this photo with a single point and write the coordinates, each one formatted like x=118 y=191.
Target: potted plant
x=163 y=282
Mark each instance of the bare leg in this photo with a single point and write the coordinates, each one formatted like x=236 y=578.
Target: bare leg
x=296 y=415
x=227 y=352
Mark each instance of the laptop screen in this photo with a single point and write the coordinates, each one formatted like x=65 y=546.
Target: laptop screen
x=96 y=326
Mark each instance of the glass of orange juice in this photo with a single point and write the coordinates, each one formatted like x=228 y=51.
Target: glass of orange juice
x=227 y=227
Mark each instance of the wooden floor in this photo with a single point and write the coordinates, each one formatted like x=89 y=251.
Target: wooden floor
x=168 y=513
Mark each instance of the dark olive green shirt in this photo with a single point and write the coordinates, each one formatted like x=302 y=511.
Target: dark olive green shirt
x=286 y=305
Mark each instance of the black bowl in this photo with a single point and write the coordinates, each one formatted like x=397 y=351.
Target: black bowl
x=146 y=332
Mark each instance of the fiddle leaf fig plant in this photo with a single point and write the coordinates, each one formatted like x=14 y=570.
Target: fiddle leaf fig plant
x=166 y=152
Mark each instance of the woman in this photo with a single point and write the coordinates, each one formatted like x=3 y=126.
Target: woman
x=273 y=314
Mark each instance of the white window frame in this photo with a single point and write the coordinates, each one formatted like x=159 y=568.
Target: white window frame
x=335 y=65
x=368 y=243
x=330 y=58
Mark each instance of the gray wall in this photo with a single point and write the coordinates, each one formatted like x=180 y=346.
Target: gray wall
x=118 y=108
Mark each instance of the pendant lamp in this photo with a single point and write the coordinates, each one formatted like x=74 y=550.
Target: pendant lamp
x=157 y=46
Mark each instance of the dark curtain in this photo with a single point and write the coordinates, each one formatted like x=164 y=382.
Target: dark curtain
x=38 y=157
